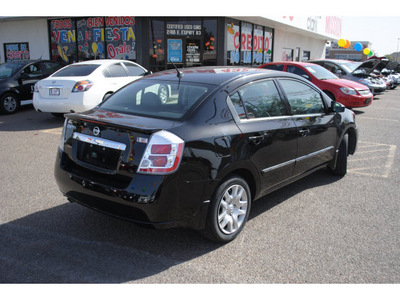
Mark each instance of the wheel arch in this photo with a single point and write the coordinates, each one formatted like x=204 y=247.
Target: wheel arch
x=248 y=176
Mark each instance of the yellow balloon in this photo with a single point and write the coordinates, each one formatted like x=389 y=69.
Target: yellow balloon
x=341 y=43
x=366 y=51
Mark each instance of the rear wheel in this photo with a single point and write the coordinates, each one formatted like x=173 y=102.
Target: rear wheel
x=341 y=162
x=9 y=103
x=229 y=210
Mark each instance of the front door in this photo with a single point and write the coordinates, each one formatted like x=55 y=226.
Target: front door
x=316 y=129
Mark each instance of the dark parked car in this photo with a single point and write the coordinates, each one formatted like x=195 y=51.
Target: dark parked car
x=225 y=137
x=17 y=79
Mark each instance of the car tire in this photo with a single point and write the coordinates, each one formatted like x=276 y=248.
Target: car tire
x=163 y=93
x=9 y=103
x=229 y=210
x=341 y=161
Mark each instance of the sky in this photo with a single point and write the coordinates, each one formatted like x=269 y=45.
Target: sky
x=382 y=31
x=362 y=20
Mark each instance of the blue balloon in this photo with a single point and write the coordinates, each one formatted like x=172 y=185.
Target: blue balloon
x=358 y=47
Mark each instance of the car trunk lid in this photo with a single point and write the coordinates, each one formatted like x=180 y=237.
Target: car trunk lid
x=109 y=143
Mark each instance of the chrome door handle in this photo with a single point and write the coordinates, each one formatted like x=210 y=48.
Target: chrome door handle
x=304 y=132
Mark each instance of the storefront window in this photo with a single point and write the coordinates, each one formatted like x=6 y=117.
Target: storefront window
x=232 y=43
x=90 y=38
x=63 y=40
x=120 y=37
x=246 y=45
x=287 y=54
x=16 y=51
x=77 y=39
x=210 y=42
x=258 y=45
x=157 y=52
x=267 y=45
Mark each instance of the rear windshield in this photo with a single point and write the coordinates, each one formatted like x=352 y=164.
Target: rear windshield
x=76 y=70
x=163 y=99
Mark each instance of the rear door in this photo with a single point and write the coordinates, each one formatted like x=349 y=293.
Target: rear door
x=317 y=132
x=269 y=132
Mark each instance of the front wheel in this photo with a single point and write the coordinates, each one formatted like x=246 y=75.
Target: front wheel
x=9 y=103
x=229 y=210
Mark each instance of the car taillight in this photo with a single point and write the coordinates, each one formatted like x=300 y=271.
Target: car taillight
x=162 y=155
x=82 y=86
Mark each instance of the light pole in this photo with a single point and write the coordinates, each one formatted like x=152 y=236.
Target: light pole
x=397 y=53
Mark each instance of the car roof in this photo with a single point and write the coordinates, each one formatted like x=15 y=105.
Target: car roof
x=334 y=60
x=214 y=75
x=100 y=62
x=299 y=63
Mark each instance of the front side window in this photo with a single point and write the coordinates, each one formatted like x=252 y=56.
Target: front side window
x=258 y=100
x=32 y=71
x=302 y=98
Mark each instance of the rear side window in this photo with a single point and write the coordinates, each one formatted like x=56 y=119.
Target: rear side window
x=116 y=70
x=134 y=70
x=296 y=70
x=50 y=67
x=274 y=67
x=302 y=98
x=76 y=70
x=258 y=100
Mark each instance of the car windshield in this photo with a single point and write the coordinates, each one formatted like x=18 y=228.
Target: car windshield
x=9 y=69
x=160 y=99
x=320 y=72
x=76 y=70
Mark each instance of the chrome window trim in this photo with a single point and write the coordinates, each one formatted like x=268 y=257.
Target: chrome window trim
x=99 y=141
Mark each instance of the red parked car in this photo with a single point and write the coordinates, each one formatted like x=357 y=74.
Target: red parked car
x=349 y=93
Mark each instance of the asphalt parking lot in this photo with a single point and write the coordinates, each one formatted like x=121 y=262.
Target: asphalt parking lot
x=320 y=229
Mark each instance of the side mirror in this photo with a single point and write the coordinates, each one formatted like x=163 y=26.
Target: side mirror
x=306 y=77
x=337 y=107
x=148 y=73
x=339 y=73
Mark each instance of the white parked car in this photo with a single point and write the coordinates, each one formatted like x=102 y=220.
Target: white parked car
x=82 y=86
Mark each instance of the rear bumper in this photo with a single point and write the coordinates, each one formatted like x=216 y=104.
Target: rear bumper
x=157 y=201
x=76 y=102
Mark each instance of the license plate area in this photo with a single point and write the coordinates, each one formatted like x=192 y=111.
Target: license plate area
x=99 y=156
x=98 y=152
x=54 y=92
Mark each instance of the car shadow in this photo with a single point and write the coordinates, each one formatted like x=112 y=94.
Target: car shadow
x=27 y=119
x=73 y=244
x=319 y=178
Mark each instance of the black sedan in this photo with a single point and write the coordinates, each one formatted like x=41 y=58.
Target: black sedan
x=223 y=138
x=17 y=79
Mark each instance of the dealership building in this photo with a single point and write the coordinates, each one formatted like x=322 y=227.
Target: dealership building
x=156 y=42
